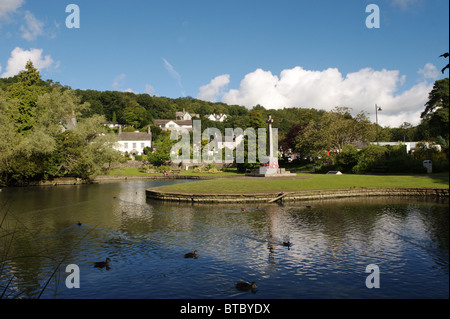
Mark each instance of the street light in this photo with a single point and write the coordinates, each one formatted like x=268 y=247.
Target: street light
x=377 y=108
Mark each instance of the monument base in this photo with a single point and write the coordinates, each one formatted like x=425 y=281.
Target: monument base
x=270 y=170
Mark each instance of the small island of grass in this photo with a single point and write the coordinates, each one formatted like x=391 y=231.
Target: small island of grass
x=306 y=182
x=310 y=185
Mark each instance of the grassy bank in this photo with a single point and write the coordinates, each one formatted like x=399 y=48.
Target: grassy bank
x=190 y=172
x=306 y=182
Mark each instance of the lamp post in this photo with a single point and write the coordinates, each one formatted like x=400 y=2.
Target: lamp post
x=377 y=108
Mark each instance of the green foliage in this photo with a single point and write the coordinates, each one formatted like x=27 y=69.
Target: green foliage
x=209 y=168
x=26 y=91
x=147 y=150
x=40 y=138
x=346 y=159
x=369 y=157
x=246 y=165
x=435 y=117
x=387 y=159
x=128 y=129
x=431 y=152
x=332 y=132
x=161 y=156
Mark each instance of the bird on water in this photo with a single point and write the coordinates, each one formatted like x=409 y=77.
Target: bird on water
x=245 y=286
x=102 y=264
x=191 y=255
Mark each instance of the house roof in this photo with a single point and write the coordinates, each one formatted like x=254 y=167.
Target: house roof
x=178 y=122
x=216 y=116
x=183 y=113
x=134 y=136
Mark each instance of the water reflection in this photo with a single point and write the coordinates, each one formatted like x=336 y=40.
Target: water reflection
x=331 y=244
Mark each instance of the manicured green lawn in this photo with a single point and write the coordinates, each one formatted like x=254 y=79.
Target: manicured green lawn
x=128 y=172
x=136 y=172
x=307 y=182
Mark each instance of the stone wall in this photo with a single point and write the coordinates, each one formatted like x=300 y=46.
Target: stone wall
x=298 y=195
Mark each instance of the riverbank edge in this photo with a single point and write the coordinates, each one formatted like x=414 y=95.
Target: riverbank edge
x=106 y=178
x=301 y=195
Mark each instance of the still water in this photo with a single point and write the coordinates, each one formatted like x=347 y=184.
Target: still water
x=332 y=244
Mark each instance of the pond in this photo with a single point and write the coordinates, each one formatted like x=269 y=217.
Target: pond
x=331 y=244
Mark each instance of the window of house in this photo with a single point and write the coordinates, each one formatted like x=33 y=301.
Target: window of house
x=125 y=145
x=142 y=145
x=134 y=145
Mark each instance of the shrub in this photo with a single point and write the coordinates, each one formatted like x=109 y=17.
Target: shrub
x=369 y=157
x=209 y=168
x=346 y=159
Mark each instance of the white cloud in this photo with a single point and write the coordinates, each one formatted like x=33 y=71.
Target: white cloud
x=150 y=90
x=326 y=89
x=19 y=58
x=119 y=81
x=9 y=6
x=174 y=74
x=404 y=4
x=429 y=71
x=214 y=89
x=33 y=28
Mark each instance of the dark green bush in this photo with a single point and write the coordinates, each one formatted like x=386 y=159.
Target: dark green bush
x=346 y=159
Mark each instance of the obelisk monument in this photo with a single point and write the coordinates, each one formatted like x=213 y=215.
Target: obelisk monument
x=270 y=168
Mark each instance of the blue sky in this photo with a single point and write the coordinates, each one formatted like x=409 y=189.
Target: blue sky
x=274 y=53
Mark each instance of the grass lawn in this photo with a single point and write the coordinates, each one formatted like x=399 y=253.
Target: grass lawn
x=129 y=172
x=136 y=172
x=307 y=182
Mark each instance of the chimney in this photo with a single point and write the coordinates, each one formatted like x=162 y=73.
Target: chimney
x=148 y=130
x=120 y=129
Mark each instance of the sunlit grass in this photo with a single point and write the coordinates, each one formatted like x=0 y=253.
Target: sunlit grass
x=307 y=182
x=129 y=171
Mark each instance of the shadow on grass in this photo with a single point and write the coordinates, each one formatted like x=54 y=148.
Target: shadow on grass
x=437 y=178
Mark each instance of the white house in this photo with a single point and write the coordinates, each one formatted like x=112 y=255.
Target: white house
x=111 y=124
x=216 y=117
x=134 y=142
x=186 y=116
x=410 y=146
x=174 y=124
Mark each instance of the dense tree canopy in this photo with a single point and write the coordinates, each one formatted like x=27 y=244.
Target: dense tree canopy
x=332 y=132
x=436 y=116
x=40 y=136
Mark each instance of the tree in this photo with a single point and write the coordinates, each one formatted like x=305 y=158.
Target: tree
x=404 y=133
x=26 y=90
x=30 y=76
x=311 y=141
x=289 y=141
x=87 y=149
x=161 y=155
x=9 y=139
x=53 y=144
x=335 y=129
x=256 y=119
x=445 y=55
x=435 y=117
